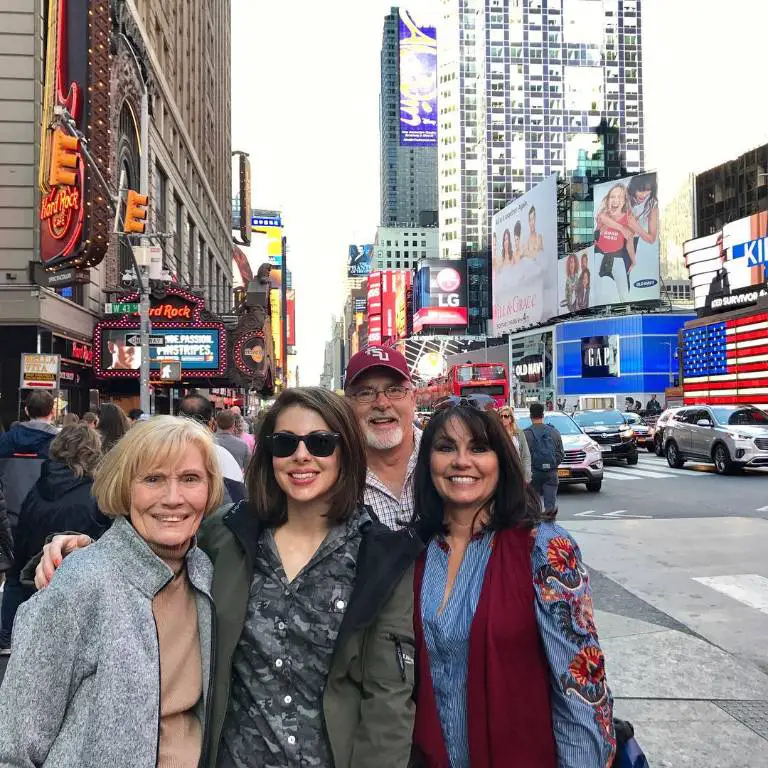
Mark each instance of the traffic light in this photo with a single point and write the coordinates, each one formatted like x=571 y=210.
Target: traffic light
x=170 y=370
x=63 y=159
x=135 y=213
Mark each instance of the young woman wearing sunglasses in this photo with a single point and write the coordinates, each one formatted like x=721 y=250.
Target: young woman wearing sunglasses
x=314 y=664
x=510 y=670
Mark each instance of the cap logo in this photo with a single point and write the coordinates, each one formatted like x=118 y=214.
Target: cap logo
x=378 y=353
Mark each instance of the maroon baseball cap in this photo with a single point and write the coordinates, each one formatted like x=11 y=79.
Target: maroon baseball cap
x=376 y=357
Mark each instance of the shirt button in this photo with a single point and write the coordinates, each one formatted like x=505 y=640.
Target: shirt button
x=291 y=739
x=279 y=663
x=340 y=605
x=287 y=699
x=281 y=626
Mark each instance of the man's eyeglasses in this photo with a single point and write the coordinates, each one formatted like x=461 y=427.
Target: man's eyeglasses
x=284 y=444
x=479 y=402
x=369 y=394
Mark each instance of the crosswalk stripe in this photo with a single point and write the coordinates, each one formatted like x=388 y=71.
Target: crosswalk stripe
x=749 y=588
x=616 y=476
x=640 y=472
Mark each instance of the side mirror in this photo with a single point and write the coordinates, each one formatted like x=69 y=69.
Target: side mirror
x=703 y=423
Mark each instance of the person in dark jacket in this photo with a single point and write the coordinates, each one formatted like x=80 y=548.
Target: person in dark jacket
x=60 y=501
x=6 y=541
x=33 y=436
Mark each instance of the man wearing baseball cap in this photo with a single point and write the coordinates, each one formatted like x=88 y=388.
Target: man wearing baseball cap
x=378 y=384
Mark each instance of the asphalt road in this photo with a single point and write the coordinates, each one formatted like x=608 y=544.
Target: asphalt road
x=652 y=489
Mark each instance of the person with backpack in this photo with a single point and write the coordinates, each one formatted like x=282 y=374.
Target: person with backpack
x=547 y=452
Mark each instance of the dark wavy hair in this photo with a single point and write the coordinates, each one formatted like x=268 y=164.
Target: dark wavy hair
x=515 y=503
x=266 y=497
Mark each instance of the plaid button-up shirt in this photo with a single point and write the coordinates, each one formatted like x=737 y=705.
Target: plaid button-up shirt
x=393 y=512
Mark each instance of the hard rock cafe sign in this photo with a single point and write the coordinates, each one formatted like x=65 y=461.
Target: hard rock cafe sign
x=76 y=218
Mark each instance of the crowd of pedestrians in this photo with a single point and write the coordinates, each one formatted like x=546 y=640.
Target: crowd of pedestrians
x=346 y=591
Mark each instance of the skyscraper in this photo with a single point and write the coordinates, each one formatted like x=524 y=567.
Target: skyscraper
x=408 y=173
x=523 y=84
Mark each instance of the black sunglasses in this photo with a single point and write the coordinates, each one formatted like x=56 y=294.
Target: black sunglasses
x=478 y=402
x=284 y=444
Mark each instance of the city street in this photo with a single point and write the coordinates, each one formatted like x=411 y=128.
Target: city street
x=680 y=579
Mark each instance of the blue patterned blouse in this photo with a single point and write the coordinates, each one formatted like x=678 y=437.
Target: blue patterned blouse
x=582 y=706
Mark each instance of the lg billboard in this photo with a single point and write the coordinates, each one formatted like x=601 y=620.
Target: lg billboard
x=440 y=295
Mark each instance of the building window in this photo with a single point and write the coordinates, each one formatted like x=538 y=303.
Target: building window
x=177 y=238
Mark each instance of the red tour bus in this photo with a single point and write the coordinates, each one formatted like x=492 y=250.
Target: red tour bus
x=467 y=379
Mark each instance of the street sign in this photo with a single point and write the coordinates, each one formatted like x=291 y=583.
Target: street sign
x=116 y=308
x=40 y=371
x=134 y=340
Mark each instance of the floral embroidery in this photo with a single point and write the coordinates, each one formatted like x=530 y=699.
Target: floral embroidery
x=566 y=615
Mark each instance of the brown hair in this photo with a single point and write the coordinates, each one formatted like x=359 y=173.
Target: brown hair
x=39 y=404
x=267 y=498
x=70 y=419
x=225 y=420
x=79 y=447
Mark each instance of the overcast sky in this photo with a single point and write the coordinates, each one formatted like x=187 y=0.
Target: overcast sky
x=305 y=90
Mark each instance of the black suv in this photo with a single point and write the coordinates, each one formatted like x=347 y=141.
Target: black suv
x=610 y=430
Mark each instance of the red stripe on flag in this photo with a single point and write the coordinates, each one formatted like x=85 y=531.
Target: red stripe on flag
x=762 y=349
x=761 y=318
x=748 y=336
x=749 y=367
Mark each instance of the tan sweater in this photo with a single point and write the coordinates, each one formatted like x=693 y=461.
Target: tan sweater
x=181 y=678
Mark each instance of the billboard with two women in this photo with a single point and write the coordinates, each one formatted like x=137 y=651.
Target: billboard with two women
x=623 y=265
x=524 y=254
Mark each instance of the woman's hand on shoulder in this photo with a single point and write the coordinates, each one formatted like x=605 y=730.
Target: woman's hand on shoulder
x=54 y=553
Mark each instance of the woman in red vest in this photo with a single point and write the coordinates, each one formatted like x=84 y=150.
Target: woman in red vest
x=510 y=671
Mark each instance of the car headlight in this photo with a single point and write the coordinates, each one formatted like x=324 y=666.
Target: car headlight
x=743 y=437
x=592 y=446
x=627 y=433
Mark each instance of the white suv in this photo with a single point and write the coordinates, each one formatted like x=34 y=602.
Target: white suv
x=730 y=436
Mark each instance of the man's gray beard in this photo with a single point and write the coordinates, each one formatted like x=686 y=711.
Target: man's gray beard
x=385 y=442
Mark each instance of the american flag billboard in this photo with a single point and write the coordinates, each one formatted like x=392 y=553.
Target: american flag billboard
x=727 y=362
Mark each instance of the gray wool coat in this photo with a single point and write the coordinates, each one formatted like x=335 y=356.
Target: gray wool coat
x=82 y=688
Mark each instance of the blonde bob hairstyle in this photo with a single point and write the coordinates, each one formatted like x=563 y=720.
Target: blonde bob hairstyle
x=146 y=447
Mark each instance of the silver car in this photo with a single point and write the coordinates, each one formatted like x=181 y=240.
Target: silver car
x=730 y=436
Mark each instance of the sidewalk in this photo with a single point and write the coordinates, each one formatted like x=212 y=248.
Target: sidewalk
x=691 y=703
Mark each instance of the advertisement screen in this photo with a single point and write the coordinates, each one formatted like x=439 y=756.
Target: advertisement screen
x=418 y=83
x=600 y=357
x=388 y=296
x=196 y=349
x=290 y=317
x=267 y=235
x=524 y=255
x=360 y=260
x=624 y=263
x=440 y=295
x=728 y=268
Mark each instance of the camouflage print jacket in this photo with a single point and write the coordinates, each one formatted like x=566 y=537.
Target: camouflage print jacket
x=368 y=711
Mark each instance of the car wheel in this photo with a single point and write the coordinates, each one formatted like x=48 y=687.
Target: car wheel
x=594 y=485
x=632 y=459
x=722 y=459
x=674 y=459
x=658 y=446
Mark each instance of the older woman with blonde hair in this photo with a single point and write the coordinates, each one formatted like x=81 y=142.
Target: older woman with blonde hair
x=110 y=664
x=512 y=428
